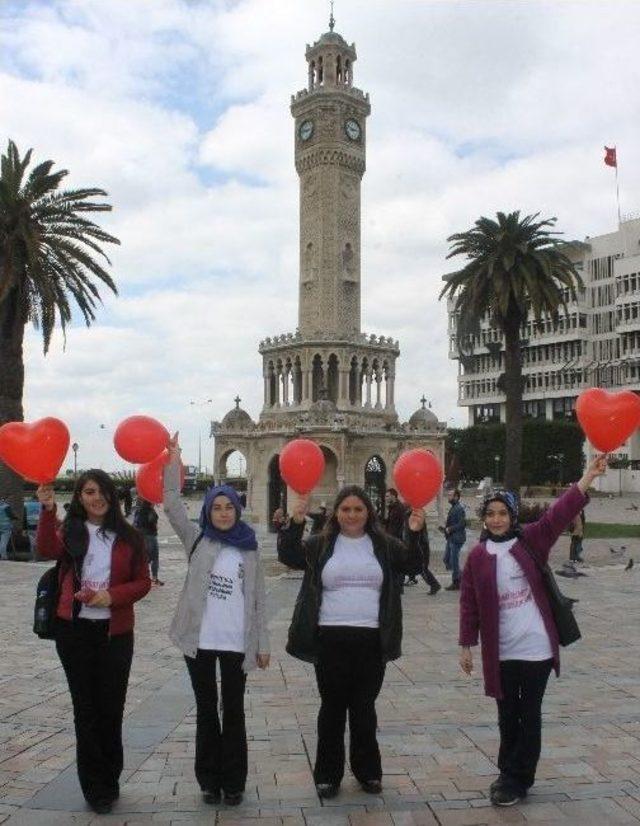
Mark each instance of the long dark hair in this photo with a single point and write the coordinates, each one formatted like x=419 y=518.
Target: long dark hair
x=73 y=525
x=372 y=525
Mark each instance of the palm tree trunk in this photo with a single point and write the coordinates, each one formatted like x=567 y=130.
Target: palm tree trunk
x=513 y=391
x=11 y=389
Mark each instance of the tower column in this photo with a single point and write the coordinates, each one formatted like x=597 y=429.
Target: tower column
x=266 y=390
x=368 y=384
x=391 y=379
x=378 y=380
x=343 y=387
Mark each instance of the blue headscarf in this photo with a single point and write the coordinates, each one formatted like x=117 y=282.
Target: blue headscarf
x=509 y=500
x=241 y=536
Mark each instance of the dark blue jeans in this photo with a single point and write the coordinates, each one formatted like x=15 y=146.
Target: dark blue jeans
x=452 y=558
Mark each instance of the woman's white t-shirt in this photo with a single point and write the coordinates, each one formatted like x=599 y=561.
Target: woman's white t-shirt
x=96 y=569
x=222 y=627
x=351 y=584
x=522 y=632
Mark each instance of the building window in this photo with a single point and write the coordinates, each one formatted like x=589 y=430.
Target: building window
x=486 y=414
x=563 y=408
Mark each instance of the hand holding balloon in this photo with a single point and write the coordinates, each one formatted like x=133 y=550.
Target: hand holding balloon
x=416 y=520
x=300 y=509
x=597 y=467
x=46 y=497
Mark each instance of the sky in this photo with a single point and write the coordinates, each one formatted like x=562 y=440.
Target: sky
x=179 y=109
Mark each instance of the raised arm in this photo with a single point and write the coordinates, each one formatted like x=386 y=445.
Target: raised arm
x=407 y=555
x=186 y=530
x=48 y=540
x=291 y=550
x=543 y=534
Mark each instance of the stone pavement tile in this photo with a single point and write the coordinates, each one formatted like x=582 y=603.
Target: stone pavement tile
x=414 y=817
x=487 y=816
x=541 y=812
x=599 y=812
x=41 y=817
x=370 y=819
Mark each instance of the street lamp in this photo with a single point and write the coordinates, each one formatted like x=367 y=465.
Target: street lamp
x=75 y=447
x=496 y=459
x=200 y=404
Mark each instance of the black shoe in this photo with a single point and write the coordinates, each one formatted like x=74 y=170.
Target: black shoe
x=327 y=790
x=455 y=586
x=233 y=798
x=211 y=796
x=101 y=806
x=434 y=589
x=372 y=786
x=504 y=795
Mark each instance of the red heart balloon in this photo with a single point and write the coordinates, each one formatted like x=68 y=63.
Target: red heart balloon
x=418 y=476
x=139 y=439
x=608 y=419
x=35 y=451
x=301 y=465
x=149 y=478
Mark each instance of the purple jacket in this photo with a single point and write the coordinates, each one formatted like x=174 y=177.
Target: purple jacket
x=479 y=608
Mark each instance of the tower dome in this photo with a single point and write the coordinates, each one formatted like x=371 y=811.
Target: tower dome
x=424 y=418
x=237 y=418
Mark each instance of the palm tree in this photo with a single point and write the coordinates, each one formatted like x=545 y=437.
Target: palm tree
x=48 y=253
x=516 y=267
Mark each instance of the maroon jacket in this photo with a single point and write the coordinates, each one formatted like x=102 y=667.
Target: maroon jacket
x=129 y=575
x=479 y=608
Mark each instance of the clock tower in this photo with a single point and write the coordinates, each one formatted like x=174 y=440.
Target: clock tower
x=328 y=380
x=330 y=139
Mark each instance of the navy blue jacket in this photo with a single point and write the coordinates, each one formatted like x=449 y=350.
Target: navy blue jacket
x=457 y=521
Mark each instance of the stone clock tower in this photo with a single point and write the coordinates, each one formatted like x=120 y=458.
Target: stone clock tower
x=327 y=381
x=330 y=143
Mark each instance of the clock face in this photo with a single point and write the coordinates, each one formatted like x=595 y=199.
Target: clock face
x=352 y=128
x=306 y=130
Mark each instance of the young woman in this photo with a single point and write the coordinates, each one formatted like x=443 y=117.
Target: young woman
x=103 y=571
x=221 y=619
x=348 y=622
x=503 y=599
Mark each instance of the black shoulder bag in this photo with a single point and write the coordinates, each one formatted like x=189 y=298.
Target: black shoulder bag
x=46 y=606
x=561 y=605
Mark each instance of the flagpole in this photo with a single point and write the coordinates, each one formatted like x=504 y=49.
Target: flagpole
x=618 y=190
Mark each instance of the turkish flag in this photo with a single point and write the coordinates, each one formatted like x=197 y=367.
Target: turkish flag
x=610 y=157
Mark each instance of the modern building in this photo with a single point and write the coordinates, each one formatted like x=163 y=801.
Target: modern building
x=596 y=344
x=327 y=381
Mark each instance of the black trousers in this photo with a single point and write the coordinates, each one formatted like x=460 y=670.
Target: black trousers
x=520 y=719
x=221 y=750
x=97 y=668
x=349 y=673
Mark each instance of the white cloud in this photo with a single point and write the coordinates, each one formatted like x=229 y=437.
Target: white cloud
x=180 y=110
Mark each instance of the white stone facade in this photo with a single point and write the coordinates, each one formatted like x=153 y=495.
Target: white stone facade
x=328 y=381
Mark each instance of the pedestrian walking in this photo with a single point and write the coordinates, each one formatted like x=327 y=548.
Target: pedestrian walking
x=503 y=599
x=220 y=621
x=577 y=536
x=394 y=524
x=348 y=622
x=145 y=519
x=103 y=571
x=455 y=531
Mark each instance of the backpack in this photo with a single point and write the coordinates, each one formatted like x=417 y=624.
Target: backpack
x=46 y=605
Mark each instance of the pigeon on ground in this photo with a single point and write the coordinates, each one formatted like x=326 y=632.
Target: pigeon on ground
x=616 y=552
x=629 y=565
x=632 y=507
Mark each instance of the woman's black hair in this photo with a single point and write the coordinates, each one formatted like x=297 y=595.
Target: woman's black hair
x=372 y=525
x=114 y=521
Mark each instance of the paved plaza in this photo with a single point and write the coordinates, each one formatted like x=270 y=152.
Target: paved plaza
x=437 y=729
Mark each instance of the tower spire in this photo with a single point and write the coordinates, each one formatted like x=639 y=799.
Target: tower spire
x=332 y=20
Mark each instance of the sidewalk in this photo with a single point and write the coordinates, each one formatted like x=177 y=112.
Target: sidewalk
x=437 y=730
